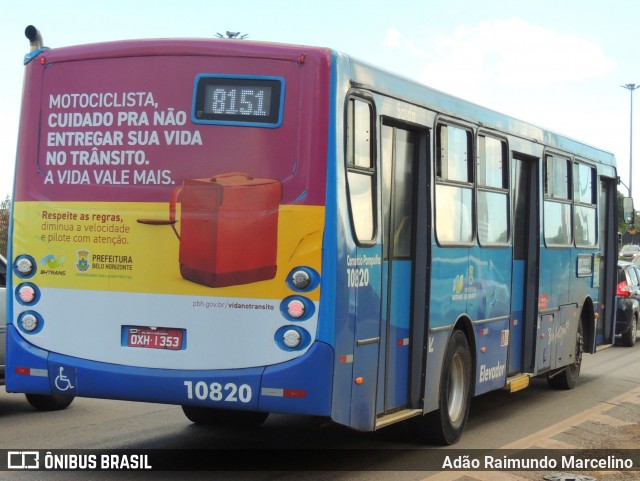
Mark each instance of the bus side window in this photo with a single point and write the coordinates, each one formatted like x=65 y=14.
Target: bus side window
x=454 y=185
x=585 y=195
x=557 y=202
x=493 y=185
x=360 y=169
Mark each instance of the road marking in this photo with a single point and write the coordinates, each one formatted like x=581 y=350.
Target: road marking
x=592 y=414
x=544 y=438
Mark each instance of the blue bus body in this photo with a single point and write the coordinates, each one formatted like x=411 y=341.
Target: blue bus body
x=404 y=270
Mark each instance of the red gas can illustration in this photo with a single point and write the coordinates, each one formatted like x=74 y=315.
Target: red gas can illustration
x=228 y=228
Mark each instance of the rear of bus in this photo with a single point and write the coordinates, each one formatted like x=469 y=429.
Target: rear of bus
x=167 y=225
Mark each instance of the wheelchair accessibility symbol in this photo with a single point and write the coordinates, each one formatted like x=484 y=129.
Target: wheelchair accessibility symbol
x=63 y=382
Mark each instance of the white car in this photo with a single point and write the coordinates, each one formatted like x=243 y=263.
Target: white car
x=629 y=252
x=44 y=402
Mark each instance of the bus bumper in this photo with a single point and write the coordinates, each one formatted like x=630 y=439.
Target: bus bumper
x=300 y=386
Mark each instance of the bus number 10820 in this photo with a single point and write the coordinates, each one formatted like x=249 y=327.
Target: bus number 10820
x=357 y=277
x=215 y=391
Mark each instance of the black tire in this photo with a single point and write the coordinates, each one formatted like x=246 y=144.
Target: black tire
x=629 y=337
x=445 y=425
x=49 y=402
x=567 y=377
x=224 y=417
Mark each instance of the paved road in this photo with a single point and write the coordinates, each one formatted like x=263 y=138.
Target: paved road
x=604 y=404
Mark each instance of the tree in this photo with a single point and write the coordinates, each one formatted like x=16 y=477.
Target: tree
x=5 y=208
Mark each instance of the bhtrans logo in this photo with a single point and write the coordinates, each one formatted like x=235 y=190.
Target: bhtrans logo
x=51 y=265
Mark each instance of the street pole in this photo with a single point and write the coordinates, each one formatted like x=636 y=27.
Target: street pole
x=631 y=88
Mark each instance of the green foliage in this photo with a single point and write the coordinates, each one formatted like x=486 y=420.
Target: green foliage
x=5 y=208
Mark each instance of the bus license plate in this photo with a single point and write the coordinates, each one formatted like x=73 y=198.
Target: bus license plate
x=160 y=338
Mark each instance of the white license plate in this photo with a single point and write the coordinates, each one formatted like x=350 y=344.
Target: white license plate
x=159 y=338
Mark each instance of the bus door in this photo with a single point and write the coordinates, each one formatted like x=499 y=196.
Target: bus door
x=399 y=151
x=525 y=254
x=606 y=264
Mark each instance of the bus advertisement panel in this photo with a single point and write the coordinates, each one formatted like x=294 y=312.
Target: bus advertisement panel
x=168 y=217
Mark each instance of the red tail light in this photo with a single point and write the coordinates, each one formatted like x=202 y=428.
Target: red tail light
x=623 y=289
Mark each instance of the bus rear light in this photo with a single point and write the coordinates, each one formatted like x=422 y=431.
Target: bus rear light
x=291 y=338
x=29 y=322
x=295 y=308
x=26 y=293
x=24 y=266
x=301 y=279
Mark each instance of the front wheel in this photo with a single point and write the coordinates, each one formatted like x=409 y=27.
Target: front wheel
x=224 y=417
x=446 y=424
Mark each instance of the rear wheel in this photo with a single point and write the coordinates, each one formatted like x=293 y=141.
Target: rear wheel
x=446 y=424
x=224 y=417
x=49 y=402
x=567 y=377
x=629 y=337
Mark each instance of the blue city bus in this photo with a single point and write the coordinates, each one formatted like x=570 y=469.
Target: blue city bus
x=244 y=228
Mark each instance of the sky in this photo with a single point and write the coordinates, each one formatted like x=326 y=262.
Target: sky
x=560 y=64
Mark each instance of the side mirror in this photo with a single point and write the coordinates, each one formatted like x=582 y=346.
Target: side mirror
x=628 y=210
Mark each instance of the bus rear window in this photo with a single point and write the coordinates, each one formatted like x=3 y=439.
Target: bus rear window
x=238 y=100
